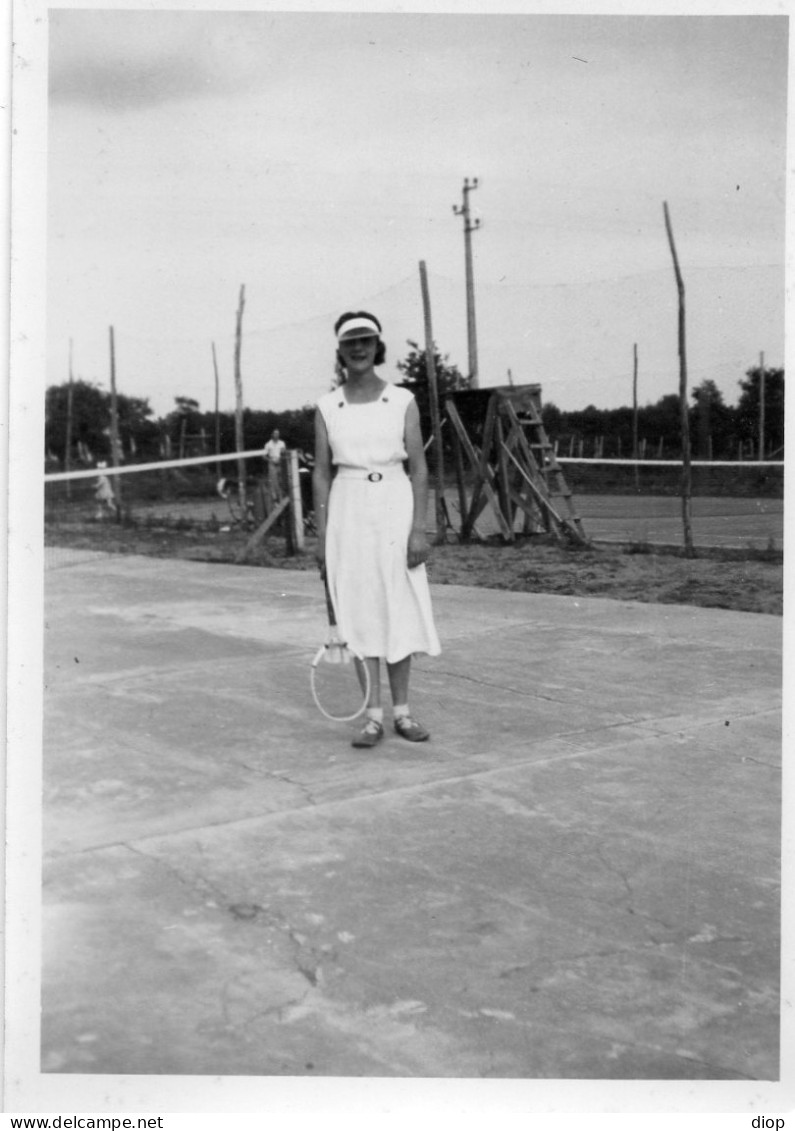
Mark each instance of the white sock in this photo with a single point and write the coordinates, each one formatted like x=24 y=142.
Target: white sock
x=400 y=710
x=376 y=713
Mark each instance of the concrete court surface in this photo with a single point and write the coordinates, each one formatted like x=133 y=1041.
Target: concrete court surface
x=578 y=877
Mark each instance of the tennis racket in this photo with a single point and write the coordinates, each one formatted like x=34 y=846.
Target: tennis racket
x=339 y=677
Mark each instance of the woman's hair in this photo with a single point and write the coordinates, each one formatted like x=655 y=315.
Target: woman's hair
x=380 y=349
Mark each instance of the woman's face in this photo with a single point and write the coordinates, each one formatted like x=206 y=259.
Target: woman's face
x=358 y=354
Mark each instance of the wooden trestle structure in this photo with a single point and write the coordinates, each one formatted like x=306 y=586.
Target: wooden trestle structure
x=504 y=459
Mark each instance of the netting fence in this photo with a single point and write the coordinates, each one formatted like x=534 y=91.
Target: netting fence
x=722 y=479
x=103 y=508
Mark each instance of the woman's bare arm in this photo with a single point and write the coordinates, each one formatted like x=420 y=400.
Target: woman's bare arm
x=418 y=548
x=321 y=485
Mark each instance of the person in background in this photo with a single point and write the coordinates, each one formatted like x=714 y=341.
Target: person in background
x=370 y=516
x=103 y=493
x=273 y=453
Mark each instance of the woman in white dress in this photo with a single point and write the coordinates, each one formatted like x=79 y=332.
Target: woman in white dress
x=370 y=514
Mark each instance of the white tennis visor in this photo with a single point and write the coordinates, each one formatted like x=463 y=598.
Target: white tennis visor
x=358 y=328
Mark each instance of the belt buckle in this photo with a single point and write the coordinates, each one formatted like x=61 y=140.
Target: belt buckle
x=375 y=477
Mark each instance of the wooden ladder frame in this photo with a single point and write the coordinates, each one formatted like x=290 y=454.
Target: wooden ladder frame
x=506 y=472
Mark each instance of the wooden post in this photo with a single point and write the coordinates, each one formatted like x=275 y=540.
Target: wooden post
x=239 y=442
x=263 y=529
x=503 y=478
x=686 y=473
x=482 y=464
x=296 y=515
x=114 y=427
x=635 y=413
x=69 y=405
x=217 y=415
x=433 y=396
x=484 y=476
x=761 y=406
x=460 y=480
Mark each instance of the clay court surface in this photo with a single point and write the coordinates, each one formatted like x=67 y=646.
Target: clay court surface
x=729 y=522
x=576 y=878
x=734 y=523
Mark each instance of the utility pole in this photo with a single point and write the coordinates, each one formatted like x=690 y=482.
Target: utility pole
x=239 y=443
x=687 y=503
x=69 y=410
x=433 y=397
x=761 y=406
x=115 y=446
x=635 y=413
x=217 y=415
x=469 y=228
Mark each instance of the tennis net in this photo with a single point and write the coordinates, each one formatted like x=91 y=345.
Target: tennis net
x=168 y=507
x=103 y=507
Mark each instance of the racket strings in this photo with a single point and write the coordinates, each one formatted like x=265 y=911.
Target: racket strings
x=339 y=677
x=340 y=682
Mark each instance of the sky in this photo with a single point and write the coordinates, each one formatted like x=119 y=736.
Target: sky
x=315 y=158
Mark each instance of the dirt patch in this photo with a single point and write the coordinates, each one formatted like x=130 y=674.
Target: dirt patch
x=747 y=582
x=661 y=578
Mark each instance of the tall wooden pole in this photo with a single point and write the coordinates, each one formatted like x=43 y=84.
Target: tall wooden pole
x=239 y=443
x=433 y=396
x=69 y=409
x=469 y=228
x=683 y=407
x=217 y=415
x=635 y=413
x=114 y=425
x=761 y=406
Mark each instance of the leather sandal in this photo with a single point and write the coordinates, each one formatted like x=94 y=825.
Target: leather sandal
x=371 y=733
x=407 y=728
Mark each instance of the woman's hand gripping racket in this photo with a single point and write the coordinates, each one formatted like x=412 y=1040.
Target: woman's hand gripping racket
x=339 y=677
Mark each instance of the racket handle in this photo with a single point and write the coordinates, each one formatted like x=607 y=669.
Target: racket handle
x=332 y=619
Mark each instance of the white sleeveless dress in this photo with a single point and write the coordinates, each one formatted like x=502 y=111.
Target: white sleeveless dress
x=383 y=608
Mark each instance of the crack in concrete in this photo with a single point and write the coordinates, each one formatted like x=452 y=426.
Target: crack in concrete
x=368 y=798
x=712 y=1069
x=244 y=1022
x=567 y=959
x=613 y=869
x=197 y=883
x=276 y=776
x=279 y=1010
x=492 y=684
x=310 y=969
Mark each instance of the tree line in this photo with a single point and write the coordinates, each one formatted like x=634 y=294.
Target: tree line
x=717 y=431
x=82 y=411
